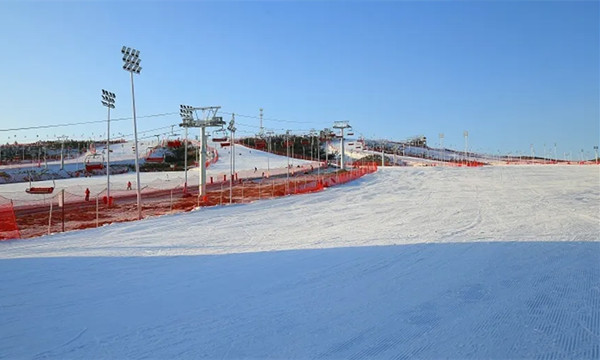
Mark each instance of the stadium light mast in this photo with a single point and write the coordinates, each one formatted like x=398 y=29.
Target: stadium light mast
x=108 y=100
x=131 y=64
x=596 y=151
x=341 y=125
x=186 y=112
x=261 y=132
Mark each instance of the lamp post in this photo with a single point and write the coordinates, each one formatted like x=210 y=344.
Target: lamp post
x=131 y=63
x=108 y=100
x=186 y=113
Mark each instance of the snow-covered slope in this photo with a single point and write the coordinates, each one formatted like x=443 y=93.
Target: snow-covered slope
x=496 y=262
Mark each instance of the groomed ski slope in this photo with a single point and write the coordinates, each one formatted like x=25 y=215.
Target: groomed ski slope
x=494 y=262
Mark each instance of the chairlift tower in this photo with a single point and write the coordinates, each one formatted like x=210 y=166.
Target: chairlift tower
x=209 y=120
x=62 y=150
x=341 y=125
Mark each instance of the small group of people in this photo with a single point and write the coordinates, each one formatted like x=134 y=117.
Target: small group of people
x=87 y=191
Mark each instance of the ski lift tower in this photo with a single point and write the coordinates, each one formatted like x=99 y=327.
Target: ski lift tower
x=62 y=150
x=341 y=125
x=209 y=120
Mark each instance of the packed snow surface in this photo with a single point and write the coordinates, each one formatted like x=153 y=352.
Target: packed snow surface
x=493 y=262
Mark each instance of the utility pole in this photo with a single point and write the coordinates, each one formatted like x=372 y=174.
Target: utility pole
x=466 y=135
x=210 y=120
x=341 y=125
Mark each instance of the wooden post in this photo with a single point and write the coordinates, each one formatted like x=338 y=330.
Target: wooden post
x=97 y=216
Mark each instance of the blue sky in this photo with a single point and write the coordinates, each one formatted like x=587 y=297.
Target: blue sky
x=512 y=73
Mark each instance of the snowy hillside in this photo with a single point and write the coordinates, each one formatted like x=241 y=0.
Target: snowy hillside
x=495 y=262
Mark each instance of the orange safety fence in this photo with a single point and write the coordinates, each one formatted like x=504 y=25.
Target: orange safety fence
x=8 y=222
x=65 y=210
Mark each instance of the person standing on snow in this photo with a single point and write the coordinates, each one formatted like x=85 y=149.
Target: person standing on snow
x=87 y=194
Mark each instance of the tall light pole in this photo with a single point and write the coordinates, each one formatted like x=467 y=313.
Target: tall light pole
x=596 y=151
x=186 y=112
x=131 y=63
x=108 y=100
x=261 y=133
x=341 y=125
x=231 y=129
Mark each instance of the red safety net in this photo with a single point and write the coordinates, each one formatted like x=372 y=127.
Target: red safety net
x=8 y=221
x=46 y=214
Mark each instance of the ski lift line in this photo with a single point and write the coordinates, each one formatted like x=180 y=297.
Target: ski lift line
x=271 y=119
x=84 y=122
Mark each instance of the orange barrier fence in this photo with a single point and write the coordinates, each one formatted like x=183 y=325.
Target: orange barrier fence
x=66 y=211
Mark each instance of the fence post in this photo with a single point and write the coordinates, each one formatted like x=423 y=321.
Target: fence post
x=50 y=217
x=273 y=189
x=171 y=207
x=97 y=216
x=242 y=191
x=62 y=205
x=221 y=200
x=259 y=188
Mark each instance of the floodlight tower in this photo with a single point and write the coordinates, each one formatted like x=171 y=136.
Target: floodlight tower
x=210 y=120
x=341 y=125
x=186 y=112
x=232 y=129
x=108 y=100
x=261 y=132
x=596 y=151
x=269 y=134
x=131 y=63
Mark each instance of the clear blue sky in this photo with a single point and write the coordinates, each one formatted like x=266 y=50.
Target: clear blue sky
x=512 y=73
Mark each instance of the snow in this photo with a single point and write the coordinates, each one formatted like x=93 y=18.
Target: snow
x=245 y=161
x=492 y=262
